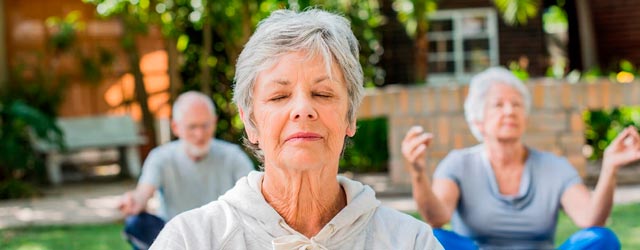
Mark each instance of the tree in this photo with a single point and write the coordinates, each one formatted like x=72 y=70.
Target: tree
x=134 y=17
x=204 y=39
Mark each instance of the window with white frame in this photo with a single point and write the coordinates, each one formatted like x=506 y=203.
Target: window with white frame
x=462 y=42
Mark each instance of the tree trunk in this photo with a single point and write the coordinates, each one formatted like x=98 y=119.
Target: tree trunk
x=140 y=92
x=142 y=97
x=175 y=82
x=588 y=47
x=205 y=73
x=421 y=41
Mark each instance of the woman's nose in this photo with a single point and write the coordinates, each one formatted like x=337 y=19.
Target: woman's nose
x=303 y=109
x=508 y=108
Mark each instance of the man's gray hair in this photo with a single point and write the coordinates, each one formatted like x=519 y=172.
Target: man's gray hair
x=474 y=105
x=313 y=31
x=186 y=99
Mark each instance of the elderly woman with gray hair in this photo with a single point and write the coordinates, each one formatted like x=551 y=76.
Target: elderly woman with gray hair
x=502 y=194
x=298 y=85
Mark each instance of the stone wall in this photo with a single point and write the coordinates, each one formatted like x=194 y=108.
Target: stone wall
x=555 y=123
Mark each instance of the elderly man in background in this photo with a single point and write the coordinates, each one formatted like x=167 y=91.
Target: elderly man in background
x=187 y=173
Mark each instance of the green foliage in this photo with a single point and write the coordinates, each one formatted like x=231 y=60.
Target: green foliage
x=555 y=20
x=65 y=30
x=622 y=71
x=83 y=237
x=519 y=71
x=517 y=12
x=28 y=105
x=410 y=12
x=231 y=24
x=15 y=189
x=368 y=150
x=602 y=126
x=18 y=161
x=365 y=19
x=63 y=40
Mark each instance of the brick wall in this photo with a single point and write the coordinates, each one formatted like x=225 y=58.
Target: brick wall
x=554 y=124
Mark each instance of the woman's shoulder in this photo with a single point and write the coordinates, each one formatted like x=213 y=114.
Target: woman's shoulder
x=212 y=224
x=547 y=157
x=396 y=221
x=545 y=160
x=408 y=231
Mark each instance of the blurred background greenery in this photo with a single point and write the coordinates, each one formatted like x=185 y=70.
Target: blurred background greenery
x=203 y=40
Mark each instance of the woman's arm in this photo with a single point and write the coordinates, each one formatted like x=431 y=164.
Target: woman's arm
x=437 y=202
x=624 y=149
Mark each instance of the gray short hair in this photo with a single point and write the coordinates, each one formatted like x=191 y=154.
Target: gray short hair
x=186 y=99
x=480 y=84
x=314 y=31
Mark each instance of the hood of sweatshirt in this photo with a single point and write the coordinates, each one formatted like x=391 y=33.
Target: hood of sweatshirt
x=266 y=225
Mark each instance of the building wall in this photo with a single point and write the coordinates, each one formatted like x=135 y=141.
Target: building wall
x=555 y=123
x=617 y=29
x=27 y=43
x=514 y=42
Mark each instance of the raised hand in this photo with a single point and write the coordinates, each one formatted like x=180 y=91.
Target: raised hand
x=624 y=149
x=414 y=148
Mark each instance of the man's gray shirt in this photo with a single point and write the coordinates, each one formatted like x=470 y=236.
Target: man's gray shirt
x=184 y=184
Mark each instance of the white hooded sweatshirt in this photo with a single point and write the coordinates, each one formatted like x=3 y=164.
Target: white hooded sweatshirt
x=242 y=219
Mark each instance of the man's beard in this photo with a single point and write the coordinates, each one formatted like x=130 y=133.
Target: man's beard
x=197 y=151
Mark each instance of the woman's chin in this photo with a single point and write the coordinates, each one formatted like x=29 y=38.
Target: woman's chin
x=303 y=163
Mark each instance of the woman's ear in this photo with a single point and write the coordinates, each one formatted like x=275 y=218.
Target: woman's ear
x=252 y=134
x=351 y=129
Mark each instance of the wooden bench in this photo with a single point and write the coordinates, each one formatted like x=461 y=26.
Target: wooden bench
x=95 y=132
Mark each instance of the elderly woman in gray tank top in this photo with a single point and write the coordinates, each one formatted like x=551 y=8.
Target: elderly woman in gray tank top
x=298 y=86
x=502 y=194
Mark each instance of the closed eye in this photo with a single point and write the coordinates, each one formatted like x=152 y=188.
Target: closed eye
x=323 y=95
x=278 y=98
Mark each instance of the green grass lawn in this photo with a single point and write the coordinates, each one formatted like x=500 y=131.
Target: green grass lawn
x=624 y=221
x=84 y=237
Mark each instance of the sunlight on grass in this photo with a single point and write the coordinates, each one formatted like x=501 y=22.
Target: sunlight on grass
x=32 y=246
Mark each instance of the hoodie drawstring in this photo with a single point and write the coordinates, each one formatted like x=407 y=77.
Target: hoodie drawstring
x=299 y=242
x=296 y=242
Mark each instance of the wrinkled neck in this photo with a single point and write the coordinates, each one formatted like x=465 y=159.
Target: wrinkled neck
x=306 y=200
